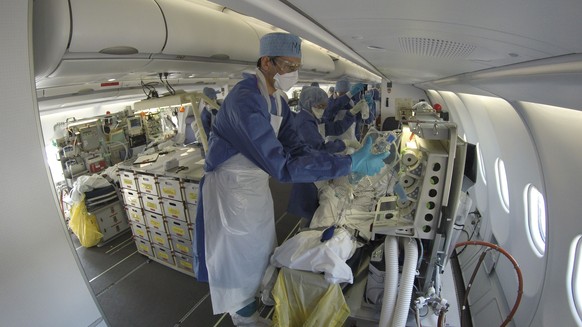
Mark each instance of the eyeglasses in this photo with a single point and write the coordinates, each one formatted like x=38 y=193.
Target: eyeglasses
x=285 y=65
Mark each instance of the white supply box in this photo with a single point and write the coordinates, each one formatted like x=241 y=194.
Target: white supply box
x=140 y=231
x=163 y=254
x=191 y=192
x=170 y=188
x=144 y=247
x=127 y=180
x=131 y=198
x=183 y=246
x=155 y=221
x=179 y=228
x=174 y=209
x=151 y=203
x=147 y=184
x=135 y=215
x=159 y=238
x=185 y=262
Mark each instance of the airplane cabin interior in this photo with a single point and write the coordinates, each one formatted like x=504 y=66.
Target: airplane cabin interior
x=473 y=219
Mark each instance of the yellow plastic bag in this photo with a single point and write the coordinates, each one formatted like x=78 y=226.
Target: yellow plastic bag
x=306 y=299
x=84 y=225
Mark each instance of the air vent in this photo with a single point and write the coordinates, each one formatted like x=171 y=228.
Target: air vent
x=435 y=48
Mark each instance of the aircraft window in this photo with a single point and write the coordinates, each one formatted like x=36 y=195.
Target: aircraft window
x=502 y=187
x=481 y=164
x=575 y=280
x=536 y=219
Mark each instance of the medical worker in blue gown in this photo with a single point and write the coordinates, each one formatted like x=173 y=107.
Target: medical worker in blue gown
x=208 y=114
x=252 y=138
x=303 y=200
x=341 y=98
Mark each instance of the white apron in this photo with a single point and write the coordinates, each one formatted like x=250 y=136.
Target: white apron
x=239 y=229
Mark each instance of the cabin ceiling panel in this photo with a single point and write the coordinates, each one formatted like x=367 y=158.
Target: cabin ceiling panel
x=501 y=32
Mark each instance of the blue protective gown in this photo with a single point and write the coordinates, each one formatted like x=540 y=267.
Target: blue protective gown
x=303 y=200
x=334 y=105
x=206 y=117
x=243 y=127
x=307 y=128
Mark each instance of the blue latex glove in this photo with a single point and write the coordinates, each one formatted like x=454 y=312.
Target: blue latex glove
x=366 y=163
x=357 y=88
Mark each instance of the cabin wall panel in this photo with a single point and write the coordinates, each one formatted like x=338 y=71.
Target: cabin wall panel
x=500 y=132
x=517 y=149
x=557 y=134
x=522 y=164
x=41 y=283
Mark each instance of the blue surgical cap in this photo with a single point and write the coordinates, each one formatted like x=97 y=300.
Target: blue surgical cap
x=210 y=92
x=312 y=96
x=342 y=86
x=280 y=45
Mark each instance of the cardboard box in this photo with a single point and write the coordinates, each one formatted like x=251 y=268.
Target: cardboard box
x=144 y=247
x=131 y=198
x=191 y=192
x=155 y=221
x=170 y=188
x=147 y=184
x=127 y=180
x=163 y=254
x=185 y=262
x=174 y=209
x=140 y=231
x=135 y=214
x=183 y=246
x=160 y=238
x=179 y=228
x=151 y=203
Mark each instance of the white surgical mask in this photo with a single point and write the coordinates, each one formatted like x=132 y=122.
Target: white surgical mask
x=318 y=113
x=286 y=81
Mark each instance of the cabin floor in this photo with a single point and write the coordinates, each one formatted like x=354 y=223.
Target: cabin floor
x=135 y=291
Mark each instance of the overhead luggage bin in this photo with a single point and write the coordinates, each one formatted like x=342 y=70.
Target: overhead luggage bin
x=198 y=31
x=84 y=37
x=347 y=70
x=117 y=27
x=198 y=69
x=51 y=26
x=315 y=62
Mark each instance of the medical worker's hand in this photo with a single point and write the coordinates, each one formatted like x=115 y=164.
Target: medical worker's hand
x=357 y=88
x=364 y=162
